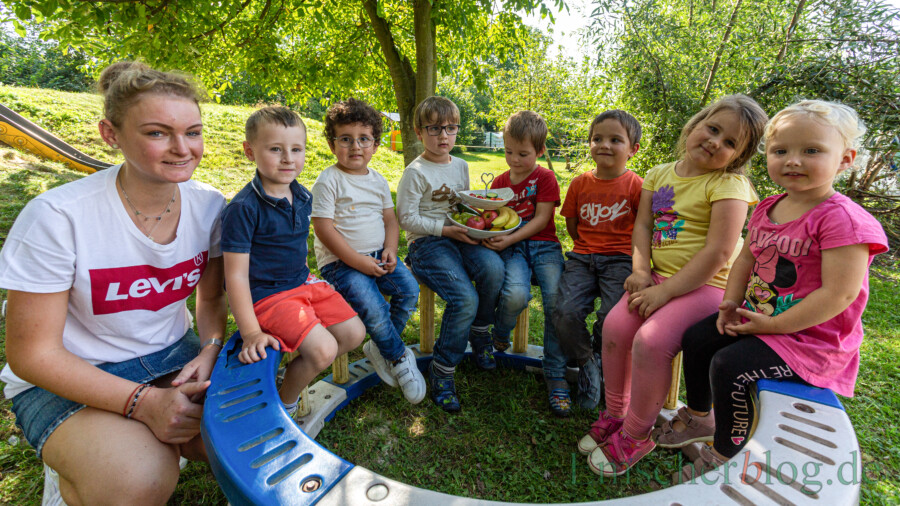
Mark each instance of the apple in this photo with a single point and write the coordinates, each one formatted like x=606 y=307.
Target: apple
x=489 y=216
x=476 y=222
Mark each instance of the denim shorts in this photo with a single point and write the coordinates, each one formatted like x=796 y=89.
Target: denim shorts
x=39 y=412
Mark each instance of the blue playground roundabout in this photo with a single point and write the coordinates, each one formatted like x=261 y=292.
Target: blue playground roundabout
x=260 y=456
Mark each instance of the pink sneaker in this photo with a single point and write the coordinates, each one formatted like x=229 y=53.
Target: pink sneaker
x=600 y=431
x=619 y=454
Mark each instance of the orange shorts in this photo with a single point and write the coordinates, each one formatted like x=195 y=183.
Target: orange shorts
x=289 y=315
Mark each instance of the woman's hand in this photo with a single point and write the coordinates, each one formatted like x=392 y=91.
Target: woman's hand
x=169 y=412
x=196 y=370
x=648 y=300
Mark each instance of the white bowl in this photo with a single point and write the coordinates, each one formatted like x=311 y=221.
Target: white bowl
x=475 y=233
x=468 y=196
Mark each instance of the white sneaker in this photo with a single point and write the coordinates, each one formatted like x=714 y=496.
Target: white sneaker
x=51 y=497
x=382 y=366
x=409 y=378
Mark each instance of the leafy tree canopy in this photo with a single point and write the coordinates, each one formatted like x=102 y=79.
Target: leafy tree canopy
x=388 y=52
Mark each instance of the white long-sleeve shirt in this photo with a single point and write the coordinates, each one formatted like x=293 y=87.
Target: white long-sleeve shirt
x=424 y=192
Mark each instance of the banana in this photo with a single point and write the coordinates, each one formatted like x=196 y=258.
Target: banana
x=513 y=223
x=503 y=218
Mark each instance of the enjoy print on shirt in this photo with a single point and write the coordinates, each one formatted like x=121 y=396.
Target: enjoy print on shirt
x=593 y=212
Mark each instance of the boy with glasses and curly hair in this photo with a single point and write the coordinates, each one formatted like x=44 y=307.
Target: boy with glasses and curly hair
x=442 y=256
x=356 y=239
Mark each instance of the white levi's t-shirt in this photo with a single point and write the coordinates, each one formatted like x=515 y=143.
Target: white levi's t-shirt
x=126 y=293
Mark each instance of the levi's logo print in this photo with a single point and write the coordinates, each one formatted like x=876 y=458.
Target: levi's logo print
x=144 y=287
x=593 y=212
x=666 y=222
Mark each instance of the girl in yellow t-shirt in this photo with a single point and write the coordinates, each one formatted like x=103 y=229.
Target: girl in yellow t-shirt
x=689 y=225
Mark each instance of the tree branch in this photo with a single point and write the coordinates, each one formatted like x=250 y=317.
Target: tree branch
x=718 y=60
x=225 y=22
x=790 y=30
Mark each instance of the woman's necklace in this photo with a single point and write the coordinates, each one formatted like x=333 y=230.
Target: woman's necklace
x=137 y=213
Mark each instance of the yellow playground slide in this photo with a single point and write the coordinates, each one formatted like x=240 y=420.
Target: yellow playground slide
x=22 y=134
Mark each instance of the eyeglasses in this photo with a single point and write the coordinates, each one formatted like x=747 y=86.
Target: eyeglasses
x=434 y=130
x=345 y=141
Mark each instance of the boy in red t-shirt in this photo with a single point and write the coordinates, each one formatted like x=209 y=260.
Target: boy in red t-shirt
x=533 y=250
x=600 y=209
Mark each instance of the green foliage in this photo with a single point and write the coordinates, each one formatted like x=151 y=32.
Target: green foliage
x=385 y=52
x=669 y=58
x=568 y=93
x=29 y=61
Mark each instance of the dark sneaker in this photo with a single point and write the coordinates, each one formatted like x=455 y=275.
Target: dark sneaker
x=501 y=344
x=590 y=384
x=560 y=402
x=443 y=391
x=484 y=357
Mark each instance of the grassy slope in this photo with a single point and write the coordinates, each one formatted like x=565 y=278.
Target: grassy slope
x=524 y=454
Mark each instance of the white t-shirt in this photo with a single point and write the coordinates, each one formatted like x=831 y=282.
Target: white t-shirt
x=127 y=294
x=356 y=203
x=423 y=195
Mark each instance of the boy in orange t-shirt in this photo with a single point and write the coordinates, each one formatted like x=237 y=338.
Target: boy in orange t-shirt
x=600 y=209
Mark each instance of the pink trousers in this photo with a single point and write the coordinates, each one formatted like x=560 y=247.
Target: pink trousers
x=638 y=353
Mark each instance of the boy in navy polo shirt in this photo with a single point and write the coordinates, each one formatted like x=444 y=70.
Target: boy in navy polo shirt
x=275 y=300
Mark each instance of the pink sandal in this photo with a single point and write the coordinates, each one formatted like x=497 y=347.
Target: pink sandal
x=601 y=430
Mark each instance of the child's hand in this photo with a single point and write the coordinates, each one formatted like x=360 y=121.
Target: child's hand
x=389 y=258
x=457 y=234
x=755 y=324
x=637 y=281
x=370 y=266
x=498 y=243
x=648 y=300
x=728 y=317
x=254 y=347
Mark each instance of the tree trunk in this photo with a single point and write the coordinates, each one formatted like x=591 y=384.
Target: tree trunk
x=787 y=36
x=718 y=60
x=410 y=87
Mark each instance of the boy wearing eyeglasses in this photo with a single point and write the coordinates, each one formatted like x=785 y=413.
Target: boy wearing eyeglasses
x=275 y=300
x=356 y=239
x=442 y=256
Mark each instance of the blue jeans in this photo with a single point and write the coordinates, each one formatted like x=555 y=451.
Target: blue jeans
x=448 y=267
x=586 y=277
x=384 y=320
x=540 y=262
x=39 y=412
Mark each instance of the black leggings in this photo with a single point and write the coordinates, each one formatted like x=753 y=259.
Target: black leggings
x=718 y=369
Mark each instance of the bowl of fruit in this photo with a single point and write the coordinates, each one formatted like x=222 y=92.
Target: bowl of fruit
x=487 y=199
x=480 y=224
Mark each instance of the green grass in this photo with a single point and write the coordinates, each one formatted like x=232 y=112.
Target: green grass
x=505 y=445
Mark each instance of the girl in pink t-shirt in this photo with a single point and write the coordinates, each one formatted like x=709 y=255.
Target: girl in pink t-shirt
x=796 y=293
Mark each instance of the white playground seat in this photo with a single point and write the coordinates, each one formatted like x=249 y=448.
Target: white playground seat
x=260 y=457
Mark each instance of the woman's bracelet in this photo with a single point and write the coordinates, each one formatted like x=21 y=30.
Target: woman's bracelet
x=133 y=400
x=140 y=398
